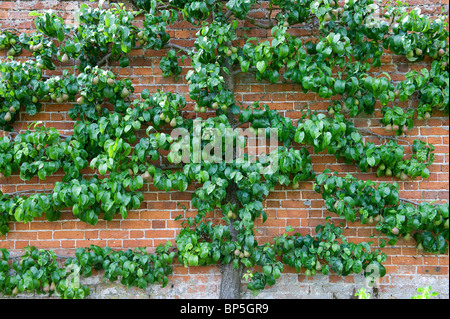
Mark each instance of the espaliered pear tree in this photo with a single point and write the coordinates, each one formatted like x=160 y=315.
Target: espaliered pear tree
x=337 y=63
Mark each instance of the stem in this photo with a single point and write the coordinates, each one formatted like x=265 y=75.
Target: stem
x=408 y=201
x=228 y=14
x=104 y=59
x=259 y=24
x=237 y=125
x=107 y=56
x=383 y=136
x=230 y=287
x=26 y=192
x=57 y=256
x=179 y=47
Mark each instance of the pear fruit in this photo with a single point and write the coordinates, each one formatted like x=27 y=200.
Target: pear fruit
x=388 y=172
x=318 y=266
x=8 y=117
x=80 y=100
x=64 y=58
x=11 y=52
x=404 y=129
x=146 y=176
x=125 y=92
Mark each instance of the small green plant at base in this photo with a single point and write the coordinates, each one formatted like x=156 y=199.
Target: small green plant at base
x=425 y=293
x=362 y=294
x=248 y=275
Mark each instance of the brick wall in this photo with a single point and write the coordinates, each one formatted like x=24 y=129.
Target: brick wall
x=303 y=209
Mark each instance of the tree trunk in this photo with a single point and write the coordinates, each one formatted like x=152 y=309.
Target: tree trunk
x=230 y=287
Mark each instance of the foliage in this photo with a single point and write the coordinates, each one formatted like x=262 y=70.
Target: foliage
x=108 y=135
x=425 y=293
x=39 y=271
x=362 y=294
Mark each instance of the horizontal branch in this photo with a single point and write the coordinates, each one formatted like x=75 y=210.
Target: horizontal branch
x=28 y=191
x=57 y=257
x=238 y=124
x=107 y=56
x=104 y=59
x=259 y=24
x=179 y=47
x=239 y=71
x=408 y=201
x=167 y=46
x=383 y=136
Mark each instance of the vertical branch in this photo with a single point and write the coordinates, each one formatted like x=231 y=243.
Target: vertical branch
x=230 y=287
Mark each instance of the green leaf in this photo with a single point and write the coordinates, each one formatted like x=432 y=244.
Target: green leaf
x=267 y=270
x=261 y=66
x=245 y=66
x=284 y=51
x=102 y=168
x=193 y=260
x=356 y=137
